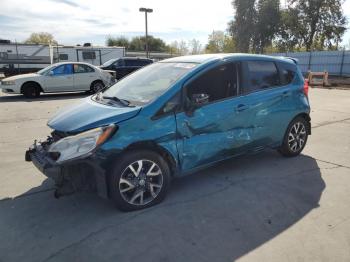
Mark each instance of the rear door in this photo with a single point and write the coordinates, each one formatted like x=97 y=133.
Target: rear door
x=264 y=96
x=84 y=75
x=60 y=80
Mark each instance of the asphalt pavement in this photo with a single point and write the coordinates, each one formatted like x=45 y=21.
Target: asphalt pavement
x=260 y=207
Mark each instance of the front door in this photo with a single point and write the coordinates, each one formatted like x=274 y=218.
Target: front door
x=59 y=79
x=217 y=129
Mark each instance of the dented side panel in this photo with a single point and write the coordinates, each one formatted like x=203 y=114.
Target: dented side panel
x=214 y=132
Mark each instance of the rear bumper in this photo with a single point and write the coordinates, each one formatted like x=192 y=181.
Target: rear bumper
x=73 y=176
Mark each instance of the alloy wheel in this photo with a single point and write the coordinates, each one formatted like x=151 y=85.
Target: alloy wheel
x=141 y=182
x=297 y=137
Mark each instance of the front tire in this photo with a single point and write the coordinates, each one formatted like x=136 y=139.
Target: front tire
x=295 y=138
x=140 y=179
x=96 y=86
x=31 y=90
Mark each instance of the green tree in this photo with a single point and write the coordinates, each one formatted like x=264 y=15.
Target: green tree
x=242 y=27
x=154 y=44
x=266 y=24
x=219 y=42
x=313 y=24
x=41 y=38
x=117 y=41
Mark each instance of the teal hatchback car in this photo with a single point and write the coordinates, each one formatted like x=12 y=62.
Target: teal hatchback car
x=172 y=118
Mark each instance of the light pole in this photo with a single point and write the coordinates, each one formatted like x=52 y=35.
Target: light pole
x=146 y=10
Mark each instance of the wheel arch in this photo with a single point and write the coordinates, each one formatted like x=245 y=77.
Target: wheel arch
x=162 y=151
x=307 y=118
x=95 y=81
x=31 y=82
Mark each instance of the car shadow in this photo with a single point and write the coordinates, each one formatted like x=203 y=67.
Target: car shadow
x=218 y=214
x=43 y=97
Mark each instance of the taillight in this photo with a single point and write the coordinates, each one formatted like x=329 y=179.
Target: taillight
x=306 y=87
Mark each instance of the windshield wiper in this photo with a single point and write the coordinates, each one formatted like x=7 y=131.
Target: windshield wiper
x=116 y=99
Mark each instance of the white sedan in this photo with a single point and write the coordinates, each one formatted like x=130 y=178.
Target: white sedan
x=60 y=77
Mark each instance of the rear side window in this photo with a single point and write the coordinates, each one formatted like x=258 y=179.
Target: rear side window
x=132 y=62
x=81 y=68
x=259 y=75
x=144 y=62
x=287 y=72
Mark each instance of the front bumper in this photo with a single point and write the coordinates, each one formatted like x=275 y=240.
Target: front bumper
x=84 y=174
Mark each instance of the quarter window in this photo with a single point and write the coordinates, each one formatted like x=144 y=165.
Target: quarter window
x=218 y=83
x=259 y=75
x=287 y=72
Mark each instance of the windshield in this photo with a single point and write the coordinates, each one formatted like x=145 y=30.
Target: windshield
x=46 y=69
x=149 y=82
x=109 y=62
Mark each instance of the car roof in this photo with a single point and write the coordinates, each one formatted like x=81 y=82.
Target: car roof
x=134 y=58
x=65 y=63
x=201 y=59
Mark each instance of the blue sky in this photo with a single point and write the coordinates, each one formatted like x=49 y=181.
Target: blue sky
x=79 y=21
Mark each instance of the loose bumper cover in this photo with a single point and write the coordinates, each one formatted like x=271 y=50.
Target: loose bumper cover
x=83 y=174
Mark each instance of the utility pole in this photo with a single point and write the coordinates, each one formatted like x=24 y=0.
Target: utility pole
x=146 y=10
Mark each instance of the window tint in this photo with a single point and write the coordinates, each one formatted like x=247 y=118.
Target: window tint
x=120 y=62
x=259 y=75
x=63 y=70
x=287 y=72
x=63 y=57
x=144 y=62
x=218 y=83
x=89 y=55
x=132 y=62
x=80 y=68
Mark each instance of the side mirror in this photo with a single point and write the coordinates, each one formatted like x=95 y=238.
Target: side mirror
x=199 y=99
x=51 y=73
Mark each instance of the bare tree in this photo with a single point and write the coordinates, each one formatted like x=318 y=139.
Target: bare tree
x=195 y=47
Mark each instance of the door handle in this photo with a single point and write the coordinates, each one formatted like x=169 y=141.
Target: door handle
x=241 y=107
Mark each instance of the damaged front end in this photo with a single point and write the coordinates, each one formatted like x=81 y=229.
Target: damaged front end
x=72 y=161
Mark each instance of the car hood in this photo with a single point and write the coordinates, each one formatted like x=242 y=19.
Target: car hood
x=17 y=77
x=88 y=114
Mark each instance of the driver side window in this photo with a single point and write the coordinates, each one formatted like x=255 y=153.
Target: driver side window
x=218 y=83
x=63 y=70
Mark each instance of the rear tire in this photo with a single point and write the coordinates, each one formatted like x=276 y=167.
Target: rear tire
x=31 y=90
x=140 y=179
x=96 y=86
x=295 y=138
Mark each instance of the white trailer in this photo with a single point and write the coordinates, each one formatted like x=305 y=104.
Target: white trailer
x=23 y=58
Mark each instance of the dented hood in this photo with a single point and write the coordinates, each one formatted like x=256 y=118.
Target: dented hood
x=88 y=114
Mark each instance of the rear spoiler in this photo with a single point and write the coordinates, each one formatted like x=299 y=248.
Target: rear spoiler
x=296 y=61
